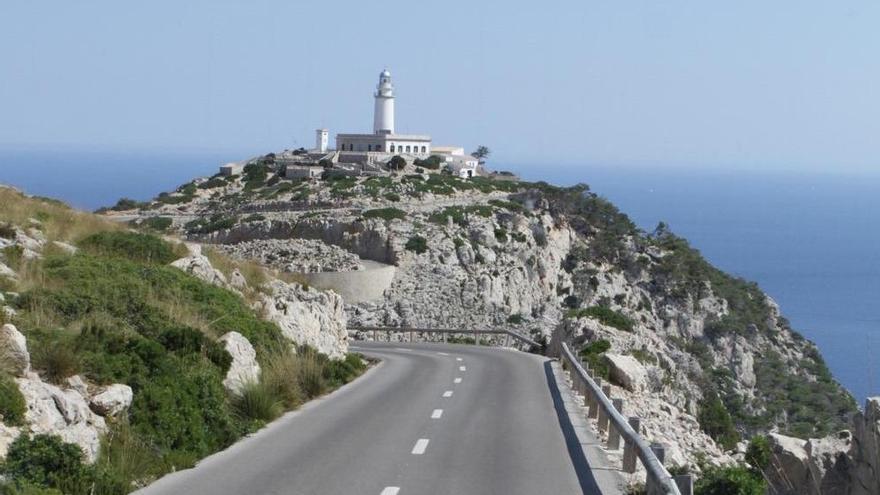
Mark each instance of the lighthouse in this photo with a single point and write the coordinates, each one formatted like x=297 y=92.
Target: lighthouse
x=383 y=112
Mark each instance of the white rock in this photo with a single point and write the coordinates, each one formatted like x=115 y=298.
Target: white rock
x=627 y=371
x=67 y=248
x=53 y=411
x=13 y=347
x=237 y=280
x=311 y=317
x=200 y=267
x=112 y=400
x=8 y=434
x=7 y=272
x=244 y=368
x=77 y=383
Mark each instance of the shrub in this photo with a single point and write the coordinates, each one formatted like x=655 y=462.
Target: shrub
x=12 y=405
x=392 y=196
x=459 y=214
x=758 y=452
x=432 y=162
x=730 y=480
x=397 y=162
x=417 y=244
x=126 y=460
x=716 y=422
x=593 y=355
x=501 y=234
x=45 y=460
x=385 y=213
x=212 y=183
x=340 y=372
x=58 y=360
x=604 y=315
x=131 y=245
x=515 y=319
x=127 y=204
x=7 y=231
x=159 y=224
x=258 y=402
x=212 y=224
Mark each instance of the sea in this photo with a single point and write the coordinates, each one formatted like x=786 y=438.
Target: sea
x=811 y=240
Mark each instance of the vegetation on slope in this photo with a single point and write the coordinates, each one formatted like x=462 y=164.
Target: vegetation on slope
x=115 y=312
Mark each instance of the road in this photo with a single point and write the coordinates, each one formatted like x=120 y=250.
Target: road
x=431 y=419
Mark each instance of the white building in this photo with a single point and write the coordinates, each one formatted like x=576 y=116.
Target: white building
x=383 y=139
x=321 y=140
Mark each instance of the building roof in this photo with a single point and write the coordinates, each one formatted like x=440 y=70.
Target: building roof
x=388 y=137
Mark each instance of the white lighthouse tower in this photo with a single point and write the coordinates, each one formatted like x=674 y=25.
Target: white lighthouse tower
x=383 y=113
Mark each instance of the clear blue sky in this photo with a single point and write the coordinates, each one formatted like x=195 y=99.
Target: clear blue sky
x=752 y=84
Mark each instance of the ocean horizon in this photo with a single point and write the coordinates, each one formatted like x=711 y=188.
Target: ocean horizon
x=810 y=240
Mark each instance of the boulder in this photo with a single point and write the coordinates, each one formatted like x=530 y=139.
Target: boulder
x=13 y=350
x=626 y=371
x=77 y=383
x=244 y=368
x=237 y=280
x=308 y=316
x=8 y=434
x=200 y=266
x=112 y=400
x=53 y=411
x=810 y=467
x=7 y=272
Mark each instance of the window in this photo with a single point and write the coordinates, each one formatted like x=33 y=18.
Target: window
x=424 y=149
x=392 y=148
x=407 y=148
x=369 y=147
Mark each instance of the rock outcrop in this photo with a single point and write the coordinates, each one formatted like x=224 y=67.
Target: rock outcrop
x=626 y=371
x=244 y=368
x=66 y=413
x=13 y=350
x=112 y=400
x=200 y=267
x=845 y=463
x=308 y=316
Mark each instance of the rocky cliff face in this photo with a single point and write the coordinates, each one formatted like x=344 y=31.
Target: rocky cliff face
x=704 y=358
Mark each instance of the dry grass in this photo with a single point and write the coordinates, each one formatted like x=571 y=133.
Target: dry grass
x=58 y=221
x=281 y=373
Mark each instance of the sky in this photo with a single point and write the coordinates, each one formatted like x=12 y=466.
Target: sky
x=787 y=84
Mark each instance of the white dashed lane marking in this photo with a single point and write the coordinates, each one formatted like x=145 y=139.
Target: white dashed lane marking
x=457 y=380
x=437 y=413
x=448 y=393
x=443 y=353
x=458 y=359
x=390 y=490
x=420 y=446
x=462 y=368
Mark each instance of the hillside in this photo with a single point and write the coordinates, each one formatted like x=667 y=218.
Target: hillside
x=707 y=359
x=125 y=355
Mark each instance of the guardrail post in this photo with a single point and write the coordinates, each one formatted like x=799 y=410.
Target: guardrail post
x=477 y=339
x=594 y=402
x=389 y=335
x=613 y=434
x=444 y=337
x=410 y=336
x=685 y=483
x=629 y=449
x=374 y=336
x=603 y=414
x=507 y=340
x=652 y=485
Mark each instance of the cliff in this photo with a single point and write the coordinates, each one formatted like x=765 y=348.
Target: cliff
x=705 y=358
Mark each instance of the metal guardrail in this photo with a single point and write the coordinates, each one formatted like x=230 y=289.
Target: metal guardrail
x=609 y=418
x=447 y=331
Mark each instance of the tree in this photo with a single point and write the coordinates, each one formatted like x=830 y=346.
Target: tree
x=481 y=153
x=397 y=162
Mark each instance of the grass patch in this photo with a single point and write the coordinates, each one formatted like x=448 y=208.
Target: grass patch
x=132 y=246
x=385 y=214
x=416 y=244
x=605 y=316
x=460 y=214
x=12 y=406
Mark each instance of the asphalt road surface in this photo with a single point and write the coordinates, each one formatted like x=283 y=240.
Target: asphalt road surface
x=432 y=419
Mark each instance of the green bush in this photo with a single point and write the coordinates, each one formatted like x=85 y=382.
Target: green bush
x=385 y=214
x=758 y=452
x=460 y=214
x=7 y=231
x=159 y=224
x=392 y=196
x=716 y=422
x=211 y=224
x=417 y=244
x=432 y=162
x=126 y=460
x=501 y=234
x=280 y=374
x=12 y=405
x=45 y=460
x=130 y=245
x=515 y=319
x=125 y=204
x=212 y=183
x=604 y=315
x=730 y=480
x=340 y=372
x=311 y=374
x=593 y=355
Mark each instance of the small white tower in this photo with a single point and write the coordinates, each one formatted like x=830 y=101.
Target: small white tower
x=321 y=139
x=383 y=114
